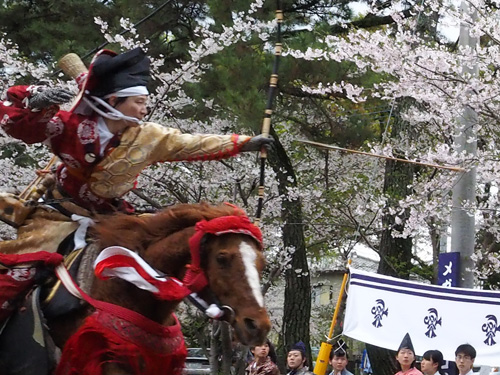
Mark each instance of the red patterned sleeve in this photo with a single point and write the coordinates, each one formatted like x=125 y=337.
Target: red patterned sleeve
x=22 y=122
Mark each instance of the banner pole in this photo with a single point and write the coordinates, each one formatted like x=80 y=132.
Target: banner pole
x=326 y=347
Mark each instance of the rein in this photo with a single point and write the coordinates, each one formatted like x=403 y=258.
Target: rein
x=118 y=311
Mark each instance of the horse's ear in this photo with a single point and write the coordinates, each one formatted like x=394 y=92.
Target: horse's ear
x=238 y=210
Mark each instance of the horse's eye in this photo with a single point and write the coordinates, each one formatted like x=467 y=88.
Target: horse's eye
x=223 y=259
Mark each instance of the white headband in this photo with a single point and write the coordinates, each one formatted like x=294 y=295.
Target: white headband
x=129 y=91
x=112 y=114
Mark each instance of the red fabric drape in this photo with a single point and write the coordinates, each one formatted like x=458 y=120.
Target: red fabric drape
x=106 y=339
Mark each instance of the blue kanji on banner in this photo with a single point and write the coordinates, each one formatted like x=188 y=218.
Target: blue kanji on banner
x=449 y=269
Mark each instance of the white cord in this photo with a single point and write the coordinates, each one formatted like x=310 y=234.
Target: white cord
x=67 y=281
x=113 y=113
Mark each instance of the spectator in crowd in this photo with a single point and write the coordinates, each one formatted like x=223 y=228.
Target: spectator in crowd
x=339 y=359
x=464 y=358
x=296 y=360
x=432 y=362
x=264 y=360
x=406 y=358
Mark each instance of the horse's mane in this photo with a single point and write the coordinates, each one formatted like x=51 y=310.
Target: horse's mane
x=137 y=232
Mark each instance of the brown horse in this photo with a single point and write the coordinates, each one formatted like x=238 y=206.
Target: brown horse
x=230 y=261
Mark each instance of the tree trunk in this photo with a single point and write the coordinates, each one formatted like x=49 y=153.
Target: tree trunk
x=297 y=305
x=385 y=366
x=215 y=347
x=435 y=234
x=227 y=350
x=395 y=253
x=241 y=359
x=221 y=351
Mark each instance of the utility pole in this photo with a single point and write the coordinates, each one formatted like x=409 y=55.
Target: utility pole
x=462 y=219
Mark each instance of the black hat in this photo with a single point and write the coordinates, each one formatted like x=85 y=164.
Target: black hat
x=340 y=348
x=300 y=346
x=406 y=343
x=107 y=74
x=111 y=73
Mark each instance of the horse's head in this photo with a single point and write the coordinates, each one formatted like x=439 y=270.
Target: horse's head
x=230 y=253
x=234 y=263
x=223 y=254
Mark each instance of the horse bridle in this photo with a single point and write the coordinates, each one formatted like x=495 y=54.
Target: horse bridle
x=195 y=278
x=213 y=310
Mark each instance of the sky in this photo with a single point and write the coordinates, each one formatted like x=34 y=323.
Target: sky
x=449 y=29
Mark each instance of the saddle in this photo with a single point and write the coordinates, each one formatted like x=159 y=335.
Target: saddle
x=55 y=299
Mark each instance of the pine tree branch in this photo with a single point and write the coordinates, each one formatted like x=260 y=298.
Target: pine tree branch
x=368 y=21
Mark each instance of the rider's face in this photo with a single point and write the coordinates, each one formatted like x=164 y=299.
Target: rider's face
x=133 y=106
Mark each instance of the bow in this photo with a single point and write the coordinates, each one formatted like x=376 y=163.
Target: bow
x=266 y=122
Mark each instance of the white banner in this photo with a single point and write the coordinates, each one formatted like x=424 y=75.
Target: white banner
x=381 y=310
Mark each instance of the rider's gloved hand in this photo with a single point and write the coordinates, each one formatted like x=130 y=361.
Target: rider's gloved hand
x=256 y=143
x=49 y=96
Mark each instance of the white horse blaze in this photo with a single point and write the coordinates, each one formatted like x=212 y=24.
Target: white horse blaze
x=249 y=257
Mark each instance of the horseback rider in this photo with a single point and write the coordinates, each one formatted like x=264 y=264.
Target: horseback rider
x=102 y=142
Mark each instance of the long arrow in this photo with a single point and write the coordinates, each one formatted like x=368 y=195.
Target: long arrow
x=330 y=147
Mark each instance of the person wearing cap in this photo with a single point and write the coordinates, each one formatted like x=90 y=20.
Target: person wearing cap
x=262 y=363
x=296 y=360
x=464 y=359
x=432 y=361
x=339 y=359
x=102 y=141
x=405 y=358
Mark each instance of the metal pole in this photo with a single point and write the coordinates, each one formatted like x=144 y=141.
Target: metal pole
x=462 y=221
x=326 y=347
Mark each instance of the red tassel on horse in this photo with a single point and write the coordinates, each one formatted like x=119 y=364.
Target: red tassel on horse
x=105 y=340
